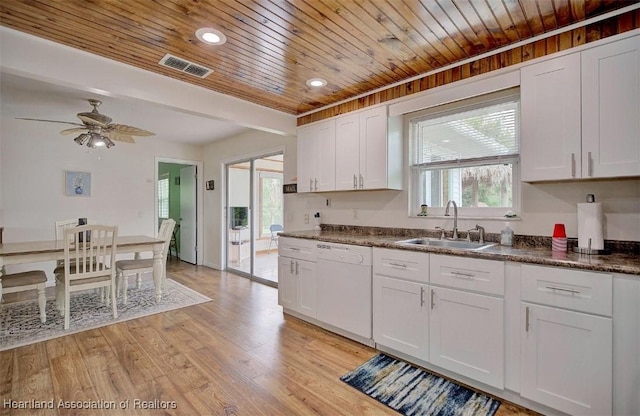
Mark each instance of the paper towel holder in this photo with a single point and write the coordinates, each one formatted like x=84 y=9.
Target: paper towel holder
x=591 y=251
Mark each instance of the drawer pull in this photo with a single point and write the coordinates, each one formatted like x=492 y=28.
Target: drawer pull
x=563 y=289
x=461 y=274
x=404 y=266
x=526 y=324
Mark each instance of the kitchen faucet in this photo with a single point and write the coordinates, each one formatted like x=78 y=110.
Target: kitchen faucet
x=480 y=231
x=455 y=217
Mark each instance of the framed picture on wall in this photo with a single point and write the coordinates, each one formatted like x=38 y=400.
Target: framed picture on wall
x=77 y=183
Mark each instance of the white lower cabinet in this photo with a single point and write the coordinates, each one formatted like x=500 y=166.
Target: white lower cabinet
x=297 y=276
x=401 y=316
x=466 y=328
x=467 y=334
x=566 y=339
x=566 y=360
x=400 y=308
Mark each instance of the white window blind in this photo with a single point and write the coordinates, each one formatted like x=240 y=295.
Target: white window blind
x=163 y=198
x=468 y=135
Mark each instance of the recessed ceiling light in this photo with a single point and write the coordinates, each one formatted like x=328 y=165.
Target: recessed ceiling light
x=211 y=36
x=316 y=82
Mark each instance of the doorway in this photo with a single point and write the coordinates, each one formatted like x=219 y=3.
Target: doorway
x=255 y=216
x=178 y=197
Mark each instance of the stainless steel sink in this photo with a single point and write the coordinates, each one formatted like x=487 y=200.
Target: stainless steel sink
x=436 y=242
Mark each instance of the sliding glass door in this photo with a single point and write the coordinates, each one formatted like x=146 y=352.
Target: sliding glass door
x=254 y=216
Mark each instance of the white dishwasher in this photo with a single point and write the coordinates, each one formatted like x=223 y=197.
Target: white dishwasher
x=344 y=287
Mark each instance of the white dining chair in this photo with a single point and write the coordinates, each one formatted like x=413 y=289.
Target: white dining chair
x=126 y=268
x=23 y=281
x=89 y=263
x=62 y=225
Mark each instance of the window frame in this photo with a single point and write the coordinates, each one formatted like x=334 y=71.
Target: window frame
x=413 y=171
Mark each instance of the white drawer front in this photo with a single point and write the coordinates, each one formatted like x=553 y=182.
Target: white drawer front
x=486 y=276
x=402 y=264
x=571 y=289
x=297 y=248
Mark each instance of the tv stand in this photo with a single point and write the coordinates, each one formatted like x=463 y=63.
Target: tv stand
x=239 y=247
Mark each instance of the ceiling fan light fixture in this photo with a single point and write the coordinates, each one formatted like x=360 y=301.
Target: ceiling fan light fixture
x=96 y=140
x=211 y=36
x=82 y=139
x=316 y=82
x=108 y=143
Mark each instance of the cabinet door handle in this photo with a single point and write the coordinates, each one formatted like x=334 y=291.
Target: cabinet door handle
x=361 y=182
x=433 y=302
x=316 y=184
x=562 y=289
x=297 y=264
x=461 y=274
x=589 y=164
x=573 y=165
x=526 y=323
x=291 y=267
x=355 y=181
x=310 y=184
x=404 y=266
x=421 y=296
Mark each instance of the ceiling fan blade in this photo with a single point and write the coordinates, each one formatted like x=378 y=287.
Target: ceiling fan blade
x=50 y=121
x=126 y=138
x=91 y=121
x=73 y=131
x=129 y=130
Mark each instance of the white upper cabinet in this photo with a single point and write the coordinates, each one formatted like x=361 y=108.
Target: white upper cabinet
x=580 y=114
x=367 y=156
x=550 y=119
x=611 y=110
x=316 y=157
x=350 y=152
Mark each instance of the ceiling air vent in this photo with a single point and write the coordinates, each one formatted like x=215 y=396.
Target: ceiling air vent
x=184 y=66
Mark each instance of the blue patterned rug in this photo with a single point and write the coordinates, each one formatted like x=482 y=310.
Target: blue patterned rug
x=411 y=390
x=20 y=321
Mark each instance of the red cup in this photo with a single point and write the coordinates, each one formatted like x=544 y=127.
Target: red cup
x=558 y=231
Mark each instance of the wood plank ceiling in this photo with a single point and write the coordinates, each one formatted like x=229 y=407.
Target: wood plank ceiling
x=274 y=46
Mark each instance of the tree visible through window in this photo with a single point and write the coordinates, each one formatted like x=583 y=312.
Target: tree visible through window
x=270 y=202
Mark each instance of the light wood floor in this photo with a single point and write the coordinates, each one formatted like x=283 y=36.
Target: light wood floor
x=236 y=355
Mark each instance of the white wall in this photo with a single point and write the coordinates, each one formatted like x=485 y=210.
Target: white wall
x=253 y=143
x=543 y=205
x=33 y=161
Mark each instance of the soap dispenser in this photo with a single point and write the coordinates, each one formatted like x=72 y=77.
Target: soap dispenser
x=506 y=236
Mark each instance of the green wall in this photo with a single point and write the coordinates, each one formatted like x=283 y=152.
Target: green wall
x=174 y=191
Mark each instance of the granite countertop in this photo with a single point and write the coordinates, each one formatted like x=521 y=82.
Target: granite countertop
x=627 y=263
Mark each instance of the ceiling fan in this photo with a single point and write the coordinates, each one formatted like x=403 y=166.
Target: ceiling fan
x=96 y=130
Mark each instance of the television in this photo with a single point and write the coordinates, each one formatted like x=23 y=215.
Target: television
x=239 y=217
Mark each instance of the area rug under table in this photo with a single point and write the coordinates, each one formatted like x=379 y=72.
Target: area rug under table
x=410 y=390
x=20 y=321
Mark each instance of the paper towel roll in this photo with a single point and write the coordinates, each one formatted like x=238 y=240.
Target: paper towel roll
x=590 y=226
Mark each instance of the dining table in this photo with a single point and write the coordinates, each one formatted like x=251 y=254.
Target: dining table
x=46 y=250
